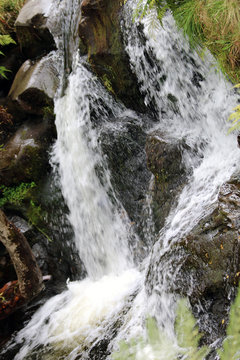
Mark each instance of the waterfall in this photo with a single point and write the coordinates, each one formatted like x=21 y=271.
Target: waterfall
x=100 y=234
x=112 y=299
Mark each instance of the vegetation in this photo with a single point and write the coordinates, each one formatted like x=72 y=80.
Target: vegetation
x=5 y=40
x=158 y=346
x=235 y=117
x=15 y=195
x=9 y=10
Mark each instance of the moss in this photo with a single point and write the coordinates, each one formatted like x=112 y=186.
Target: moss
x=15 y=195
x=107 y=83
x=48 y=112
x=33 y=159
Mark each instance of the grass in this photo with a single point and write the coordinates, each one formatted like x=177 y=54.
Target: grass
x=9 y=10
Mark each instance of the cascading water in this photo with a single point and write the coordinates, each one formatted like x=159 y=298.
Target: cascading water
x=113 y=298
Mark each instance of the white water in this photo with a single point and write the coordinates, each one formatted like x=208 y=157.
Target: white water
x=100 y=234
x=72 y=322
x=199 y=116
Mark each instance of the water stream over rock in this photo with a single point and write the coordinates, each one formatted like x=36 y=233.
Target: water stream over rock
x=188 y=102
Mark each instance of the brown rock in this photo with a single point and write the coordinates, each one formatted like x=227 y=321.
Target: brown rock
x=14 y=294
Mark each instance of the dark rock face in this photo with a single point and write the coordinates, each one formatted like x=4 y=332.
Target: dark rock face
x=206 y=262
x=213 y=246
x=12 y=61
x=100 y=34
x=33 y=31
x=164 y=160
x=24 y=157
x=6 y=124
x=123 y=142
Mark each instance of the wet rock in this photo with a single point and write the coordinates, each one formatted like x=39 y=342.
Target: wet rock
x=164 y=160
x=57 y=258
x=33 y=28
x=24 y=157
x=213 y=246
x=123 y=141
x=101 y=39
x=34 y=86
x=205 y=264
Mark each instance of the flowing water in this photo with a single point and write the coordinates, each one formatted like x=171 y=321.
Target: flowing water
x=191 y=102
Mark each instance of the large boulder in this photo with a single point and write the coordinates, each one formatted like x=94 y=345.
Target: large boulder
x=34 y=86
x=33 y=28
x=101 y=39
x=24 y=157
x=164 y=160
x=123 y=141
x=205 y=264
x=212 y=248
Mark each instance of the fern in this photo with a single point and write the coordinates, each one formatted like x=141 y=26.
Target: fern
x=231 y=346
x=187 y=333
x=145 y=8
x=6 y=40
x=14 y=195
x=235 y=116
x=3 y=71
x=159 y=346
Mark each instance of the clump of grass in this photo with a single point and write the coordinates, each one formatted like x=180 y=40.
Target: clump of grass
x=9 y=10
x=187 y=18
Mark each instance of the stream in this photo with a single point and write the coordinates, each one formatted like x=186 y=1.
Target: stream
x=88 y=320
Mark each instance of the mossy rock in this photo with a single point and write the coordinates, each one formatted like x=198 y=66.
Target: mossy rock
x=101 y=38
x=24 y=157
x=164 y=160
x=123 y=144
x=205 y=263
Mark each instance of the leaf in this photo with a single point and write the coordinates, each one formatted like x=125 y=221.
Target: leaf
x=188 y=334
x=231 y=346
x=6 y=40
x=3 y=70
